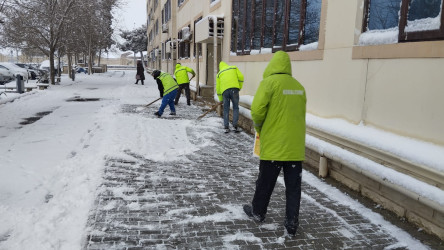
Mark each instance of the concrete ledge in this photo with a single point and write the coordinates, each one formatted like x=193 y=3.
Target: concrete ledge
x=419 y=213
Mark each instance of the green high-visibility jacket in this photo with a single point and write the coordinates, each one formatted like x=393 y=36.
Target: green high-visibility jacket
x=227 y=78
x=181 y=74
x=168 y=82
x=278 y=112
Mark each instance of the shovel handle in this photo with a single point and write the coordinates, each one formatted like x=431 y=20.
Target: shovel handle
x=212 y=108
x=153 y=102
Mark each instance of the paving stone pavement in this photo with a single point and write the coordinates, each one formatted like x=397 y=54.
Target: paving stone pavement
x=196 y=202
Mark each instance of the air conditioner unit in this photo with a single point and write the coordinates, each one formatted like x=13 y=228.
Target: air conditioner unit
x=165 y=28
x=206 y=29
x=186 y=34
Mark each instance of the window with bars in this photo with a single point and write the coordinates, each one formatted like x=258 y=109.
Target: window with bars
x=156 y=28
x=409 y=20
x=197 y=45
x=166 y=12
x=260 y=26
x=184 y=47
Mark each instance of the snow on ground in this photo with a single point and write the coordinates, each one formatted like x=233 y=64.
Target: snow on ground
x=50 y=172
x=343 y=199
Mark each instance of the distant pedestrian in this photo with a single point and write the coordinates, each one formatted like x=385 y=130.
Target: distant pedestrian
x=278 y=113
x=167 y=89
x=229 y=82
x=140 y=75
x=182 y=79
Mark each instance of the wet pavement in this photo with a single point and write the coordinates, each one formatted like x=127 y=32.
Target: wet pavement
x=196 y=203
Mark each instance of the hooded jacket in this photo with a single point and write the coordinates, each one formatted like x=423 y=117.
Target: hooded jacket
x=168 y=82
x=227 y=78
x=278 y=112
x=181 y=74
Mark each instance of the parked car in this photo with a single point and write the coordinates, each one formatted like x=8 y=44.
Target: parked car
x=5 y=75
x=81 y=69
x=33 y=73
x=45 y=66
x=16 y=70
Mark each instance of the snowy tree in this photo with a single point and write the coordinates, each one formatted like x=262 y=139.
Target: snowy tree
x=59 y=27
x=37 y=24
x=2 y=7
x=94 y=26
x=135 y=40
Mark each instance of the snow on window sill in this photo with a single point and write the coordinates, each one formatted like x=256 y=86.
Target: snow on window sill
x=310 y=46
x=425 y=24
x=378 y=37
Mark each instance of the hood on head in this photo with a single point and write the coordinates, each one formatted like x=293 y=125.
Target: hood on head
x=223 y=65
x=178 y=65
x=279 y=64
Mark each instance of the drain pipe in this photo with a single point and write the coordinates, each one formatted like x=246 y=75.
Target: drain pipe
x=215 y=49
x=197 y=72
x=323 y=167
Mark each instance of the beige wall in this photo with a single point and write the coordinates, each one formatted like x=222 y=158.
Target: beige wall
x=405 y=96
x=395 y=87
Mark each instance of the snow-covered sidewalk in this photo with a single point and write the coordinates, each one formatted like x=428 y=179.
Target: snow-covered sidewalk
x=106 y=174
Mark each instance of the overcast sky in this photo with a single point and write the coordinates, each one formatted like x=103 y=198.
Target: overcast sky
x=131 y=15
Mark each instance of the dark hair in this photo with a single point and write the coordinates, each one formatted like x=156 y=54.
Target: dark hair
x=155 y=74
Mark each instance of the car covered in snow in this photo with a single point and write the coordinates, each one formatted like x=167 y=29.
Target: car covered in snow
x=45 y=66
x=15 y=70
x=33 y=73
x=5 y=75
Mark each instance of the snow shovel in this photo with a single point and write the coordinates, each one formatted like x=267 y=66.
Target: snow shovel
x=153 y=102
x=212 y=109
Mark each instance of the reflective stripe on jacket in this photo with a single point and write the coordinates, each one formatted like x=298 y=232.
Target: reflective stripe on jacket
x=278 y=112
x=168 y=82
x=181 y=74
x=227 y=78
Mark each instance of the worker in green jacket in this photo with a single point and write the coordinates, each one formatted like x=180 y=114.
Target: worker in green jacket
x=278 y=113
x=167 y=89
x=182 y=79
x=229 y=82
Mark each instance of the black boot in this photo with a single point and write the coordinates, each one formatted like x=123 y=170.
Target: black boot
x=291 y=226
x=249 y=211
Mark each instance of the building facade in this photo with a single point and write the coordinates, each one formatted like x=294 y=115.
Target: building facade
x=377 y=63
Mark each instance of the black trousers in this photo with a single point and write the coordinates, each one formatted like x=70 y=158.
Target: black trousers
x=185 y=86
x=268 y=174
